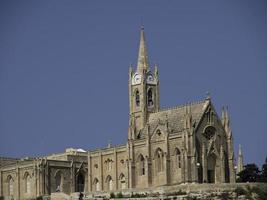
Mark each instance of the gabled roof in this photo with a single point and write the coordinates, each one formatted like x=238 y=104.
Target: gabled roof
x=176 y=116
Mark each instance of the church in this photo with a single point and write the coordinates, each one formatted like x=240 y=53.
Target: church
x=180 y=145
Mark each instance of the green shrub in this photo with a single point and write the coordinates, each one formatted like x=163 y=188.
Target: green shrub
x=225 y=196
x=2 y=198
x=154 y=194
x=137 y=195
x=191 y=198
x=240 y=191
x=177 y=193
x=261 y=191
x=119 y=195
x=167 y=198
x=112 y=195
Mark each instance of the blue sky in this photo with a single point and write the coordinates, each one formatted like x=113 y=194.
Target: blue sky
x=64 y=68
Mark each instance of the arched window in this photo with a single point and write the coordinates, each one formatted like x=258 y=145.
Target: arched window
x=96 y=184
x=80 y=182
x=142 y=169
x=58 y=181
x=159 y=160
x=108 y=164
x=210 y=132
x=109 y=182
x=178 y=157
x=137 y=98
x=150 y=97
x=27 y=183
x=122 y=181
x=10 y=186
x=141 y=164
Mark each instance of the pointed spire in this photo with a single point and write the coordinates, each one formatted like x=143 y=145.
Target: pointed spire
x=226 y=112
x=239 y=150
x=142 y=55
x=208 y=96
x=223 y=116
x=130 y=72
x=227 y=118
x=240 y=162
x=223 y=113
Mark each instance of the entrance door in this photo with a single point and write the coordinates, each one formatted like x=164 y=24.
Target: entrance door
x=211 y=176
x=80 y=183
x=211 y=171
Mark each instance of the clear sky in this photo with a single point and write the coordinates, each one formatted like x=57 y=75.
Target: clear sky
x=64 y=68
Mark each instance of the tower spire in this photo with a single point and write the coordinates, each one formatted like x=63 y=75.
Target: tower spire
x=142 y=55
x=240 y=162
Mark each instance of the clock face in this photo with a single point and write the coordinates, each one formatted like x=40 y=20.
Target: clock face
x=136 y=79
x=150 y=78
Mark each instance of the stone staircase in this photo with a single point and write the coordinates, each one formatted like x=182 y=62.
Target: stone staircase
x=59 y=196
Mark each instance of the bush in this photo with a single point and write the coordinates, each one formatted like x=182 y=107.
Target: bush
x=240 y=191
x=191 y=198
x=2 y=198
x=154 y=194
x=261 y=191
x=137 y=195
x=177 y=193
x=119 y=195
x=225 y=196
x=112 y=195
x=250 y=173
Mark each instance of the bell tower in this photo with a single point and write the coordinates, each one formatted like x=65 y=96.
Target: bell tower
x=143 y=89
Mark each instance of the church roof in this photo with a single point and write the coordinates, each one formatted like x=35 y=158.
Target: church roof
x=175 y=117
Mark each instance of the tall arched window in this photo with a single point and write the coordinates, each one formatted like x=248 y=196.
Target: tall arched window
x=109 y=182
x=10 y=186
x=150 y=97
x=159 y=160
x=178 y=157
x=108 y=163
x=96 y=184
x=58 y=181
x=122 y=181
x=27 y=183
x=142 y=169
x=80 y=182
x=137 y=98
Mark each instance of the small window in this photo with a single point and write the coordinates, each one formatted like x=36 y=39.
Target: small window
x=158 y=132
x=96 y=185
x=139 y=135
x=27 y=184
x=122 y=181
x=159 y=160
x=150 y=97
x=137 y=98
x=108 y=164
x=142 y=165
x=10 y=186
x=178 y=158
x=109 y=183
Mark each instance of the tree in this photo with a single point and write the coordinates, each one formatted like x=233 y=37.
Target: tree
x=263 y=175
x=250 y=173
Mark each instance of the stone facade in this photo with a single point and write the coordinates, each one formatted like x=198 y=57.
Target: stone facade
x=185 y=144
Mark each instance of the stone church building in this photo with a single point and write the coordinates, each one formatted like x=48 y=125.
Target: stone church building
x=184 y=144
